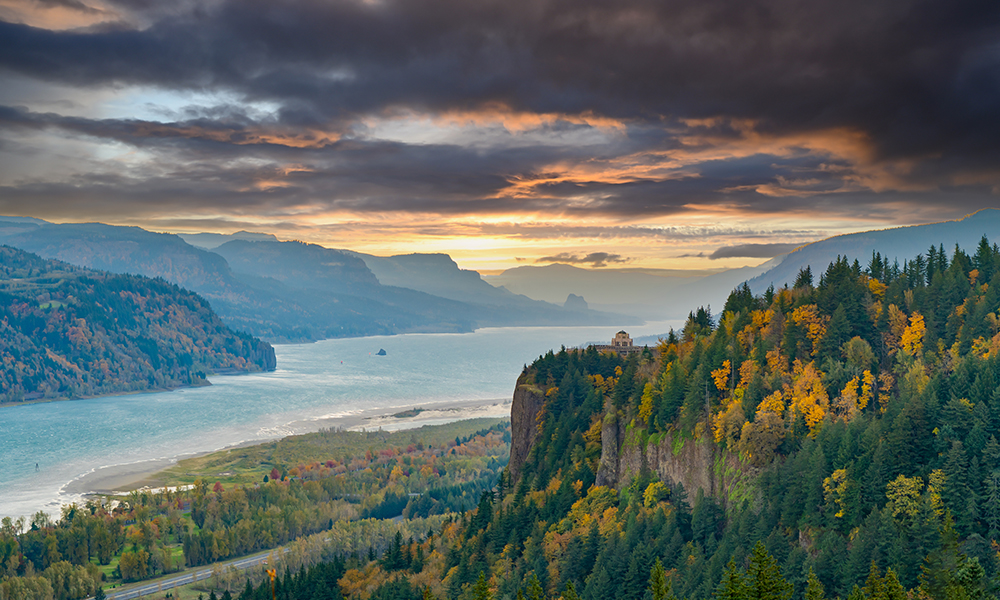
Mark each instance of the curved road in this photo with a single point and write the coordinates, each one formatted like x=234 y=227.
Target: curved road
x=178 y=580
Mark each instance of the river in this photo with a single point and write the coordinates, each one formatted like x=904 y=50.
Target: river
x=69 y=439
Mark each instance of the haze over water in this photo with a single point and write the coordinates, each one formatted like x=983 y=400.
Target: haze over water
x=329 y=378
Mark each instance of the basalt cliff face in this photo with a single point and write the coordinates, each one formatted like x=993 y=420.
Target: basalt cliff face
x=528 y=401
x=697 y=464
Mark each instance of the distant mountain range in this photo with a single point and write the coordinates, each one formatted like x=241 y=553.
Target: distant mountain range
x=897 y=244
x=662 y=295
x=651 y=295
x=292 y=291
x=69 y=332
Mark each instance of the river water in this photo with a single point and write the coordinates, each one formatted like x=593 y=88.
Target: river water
x=313 y=381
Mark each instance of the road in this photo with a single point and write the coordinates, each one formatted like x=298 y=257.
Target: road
x=165 y=585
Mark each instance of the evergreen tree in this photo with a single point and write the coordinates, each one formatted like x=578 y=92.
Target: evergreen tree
x=535 y=591
x=814 y=589
x=763 y=578
x=659 y=588
x=570 y=592
x=733 y=586
x=481 y=590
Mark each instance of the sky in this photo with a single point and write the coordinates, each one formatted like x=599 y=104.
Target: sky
x=691 y=134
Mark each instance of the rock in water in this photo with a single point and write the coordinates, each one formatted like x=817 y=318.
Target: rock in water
x=381 y=352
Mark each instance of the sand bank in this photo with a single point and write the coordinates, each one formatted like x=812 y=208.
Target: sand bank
x=121 y=479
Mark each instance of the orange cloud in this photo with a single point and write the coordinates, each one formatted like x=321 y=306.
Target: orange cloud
x=307 y=138
x=56 y=16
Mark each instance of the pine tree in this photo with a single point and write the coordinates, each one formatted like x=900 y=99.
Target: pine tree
x=481 y=589
x=570 y=592
x=814 y=589
x=763 y=578
x=733 y=586
x=659 y=588
x=535 y=591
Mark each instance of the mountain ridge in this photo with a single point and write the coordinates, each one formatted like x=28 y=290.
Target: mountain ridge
x=71 y=332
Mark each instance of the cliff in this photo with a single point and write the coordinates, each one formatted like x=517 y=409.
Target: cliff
x=697 y=464
x=625 y=451
x=528 y=400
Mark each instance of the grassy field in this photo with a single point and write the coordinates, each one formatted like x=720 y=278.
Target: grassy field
x=249 y=464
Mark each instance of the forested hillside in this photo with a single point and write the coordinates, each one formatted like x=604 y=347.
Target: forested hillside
x=68 y=332
x=850 y=424
x=334 y=493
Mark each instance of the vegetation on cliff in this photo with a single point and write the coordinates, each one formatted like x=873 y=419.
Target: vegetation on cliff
x=68 y=332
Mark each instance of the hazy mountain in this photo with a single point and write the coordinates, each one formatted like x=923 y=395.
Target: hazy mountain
x=137 y=251
x=209 y=241
x=431 y=285
x=438 y=274
x=901 y=243
x=261 y=305
x=553 y=283
x=649 y=294
x=435 y=274
x=291 y=291
x=67 y=332
x=300 y=265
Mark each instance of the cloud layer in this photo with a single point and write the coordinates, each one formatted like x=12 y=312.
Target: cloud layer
x=594 y=259
x=616 y=111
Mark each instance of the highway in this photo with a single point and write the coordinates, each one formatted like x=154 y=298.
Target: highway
x=165 y=585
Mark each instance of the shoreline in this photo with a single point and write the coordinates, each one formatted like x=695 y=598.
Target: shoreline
x=122 y=478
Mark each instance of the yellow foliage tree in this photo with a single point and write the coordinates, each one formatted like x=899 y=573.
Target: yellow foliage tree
x=934 y=486
x=886 y=381
x=655 y=492
x=807 y=396
x=856 y=395
x=835 y=490
x=759 y=440
x=812 y=322
x=903 y=494
x=721 y=375
x=897 y=325
x=876 y=287
x=867 y=389
x=847 y=403
x=646 y=405
x=912 y=340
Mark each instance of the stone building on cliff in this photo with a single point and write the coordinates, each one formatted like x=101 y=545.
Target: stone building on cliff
x=621 y=344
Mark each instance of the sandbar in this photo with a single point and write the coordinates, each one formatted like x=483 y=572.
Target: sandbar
x=121 y=479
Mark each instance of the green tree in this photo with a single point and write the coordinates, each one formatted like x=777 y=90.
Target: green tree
x=659 y=587
x=763 y=578
x=535 y=591
x=570 y=592
x=481 y=589
x=732 y=586
x=814 y=589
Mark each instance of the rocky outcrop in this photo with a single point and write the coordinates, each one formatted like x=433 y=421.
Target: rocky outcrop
x=527 y=402
x=696 y=464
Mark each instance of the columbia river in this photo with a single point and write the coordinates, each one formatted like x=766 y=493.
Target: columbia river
x=69 y=439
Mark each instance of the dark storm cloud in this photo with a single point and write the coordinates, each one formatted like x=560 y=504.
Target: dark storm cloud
x=914 y=83
x=594 y=259
x=919 y=77
x=229 y=164
x=752 y=251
